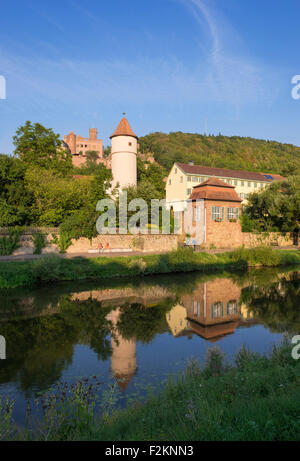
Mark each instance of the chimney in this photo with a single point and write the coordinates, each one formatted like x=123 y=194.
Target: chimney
x=191 y=163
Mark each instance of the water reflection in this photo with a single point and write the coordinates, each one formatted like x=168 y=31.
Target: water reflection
x=122 y=323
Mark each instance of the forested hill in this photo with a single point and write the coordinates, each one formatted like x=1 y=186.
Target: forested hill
x=222 y=152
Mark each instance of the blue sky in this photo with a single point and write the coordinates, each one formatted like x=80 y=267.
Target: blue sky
x=171 y=65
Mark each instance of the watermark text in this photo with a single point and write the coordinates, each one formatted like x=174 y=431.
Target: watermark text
x=2 y=87
x=2 y=348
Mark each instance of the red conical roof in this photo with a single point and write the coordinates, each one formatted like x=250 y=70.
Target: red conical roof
x=123 y=129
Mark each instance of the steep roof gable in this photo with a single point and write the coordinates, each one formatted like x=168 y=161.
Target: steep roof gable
x=124 y=129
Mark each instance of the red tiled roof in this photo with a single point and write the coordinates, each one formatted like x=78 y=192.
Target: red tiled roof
x=214 y=182
x=214 y=189
x=221 y=172
x=124 y=129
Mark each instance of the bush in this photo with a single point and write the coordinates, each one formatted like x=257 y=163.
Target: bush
x=39 y=241
x=10 y=244
x=48 y=269
x=264 y=256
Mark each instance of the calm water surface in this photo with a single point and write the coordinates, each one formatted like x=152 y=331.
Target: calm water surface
x=137 y=333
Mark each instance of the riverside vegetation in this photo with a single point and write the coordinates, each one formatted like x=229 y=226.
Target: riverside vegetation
x=55 y=268
x=254 y=399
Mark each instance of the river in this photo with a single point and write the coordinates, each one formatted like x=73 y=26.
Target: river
x=133 y=334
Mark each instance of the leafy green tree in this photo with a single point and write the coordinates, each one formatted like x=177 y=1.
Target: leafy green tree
x=223 y=152
x=55 y=197
x=106 y=151
x=92 y=156
x=40 y=146
x=15 y=199
x=277 y=207
x=154 y=175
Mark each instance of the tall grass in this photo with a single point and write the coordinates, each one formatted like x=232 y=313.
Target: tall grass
x=256 y=398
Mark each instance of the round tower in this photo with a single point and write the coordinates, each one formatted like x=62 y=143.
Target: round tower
x=124 y=145
x=123 y=359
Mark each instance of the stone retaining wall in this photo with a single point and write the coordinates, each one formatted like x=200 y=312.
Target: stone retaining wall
x=268 y=239
x=145 y=243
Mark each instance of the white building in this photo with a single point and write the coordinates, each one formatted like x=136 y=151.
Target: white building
x=124 y=145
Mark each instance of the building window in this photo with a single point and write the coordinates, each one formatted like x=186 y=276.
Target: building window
x=217 y=213
x=243 y=183
x=189 y=178
x=175 y=171
x=130 y=144
x=255 y=185
x=189 y=191
x=249 y=184
x=198 y=214
x=232 y=308
x=235 y=182
x=170 y=182
x=195 y=179
x=217 y=310
x=233 y=213
x=181 y=179
x=230 y=213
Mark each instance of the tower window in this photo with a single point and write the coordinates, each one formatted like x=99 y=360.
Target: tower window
x=130 y=143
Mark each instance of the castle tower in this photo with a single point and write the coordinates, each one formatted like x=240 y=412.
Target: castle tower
x=124 y=145
x=93 y=134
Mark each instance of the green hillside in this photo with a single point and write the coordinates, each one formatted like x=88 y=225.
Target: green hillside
x=222 y=152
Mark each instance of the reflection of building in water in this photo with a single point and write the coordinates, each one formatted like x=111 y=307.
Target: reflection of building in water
x=246 y=314
x=177 y=320
x=213 y=309
x=145 y=295
x=123 y=359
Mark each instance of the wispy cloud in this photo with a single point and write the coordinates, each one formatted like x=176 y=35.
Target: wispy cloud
x=232 y=78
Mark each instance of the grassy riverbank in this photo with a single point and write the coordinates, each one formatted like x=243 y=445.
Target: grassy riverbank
x=55 y=268
x=256 y=398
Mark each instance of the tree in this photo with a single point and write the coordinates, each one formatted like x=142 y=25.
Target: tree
x=40 y=146
x=154 y=175
x=277 y=207
x=106 y=151
x=15 y=199
x=55 y=197
x=92 y=156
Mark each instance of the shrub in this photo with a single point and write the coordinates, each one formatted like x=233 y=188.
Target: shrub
x=214 y=365
x=39 y=243
x=264 y=256
x=10 y=244
x=48 y=269
x=244 y=357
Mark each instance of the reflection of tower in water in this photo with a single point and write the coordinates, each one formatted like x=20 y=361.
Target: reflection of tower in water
x=123 y=359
